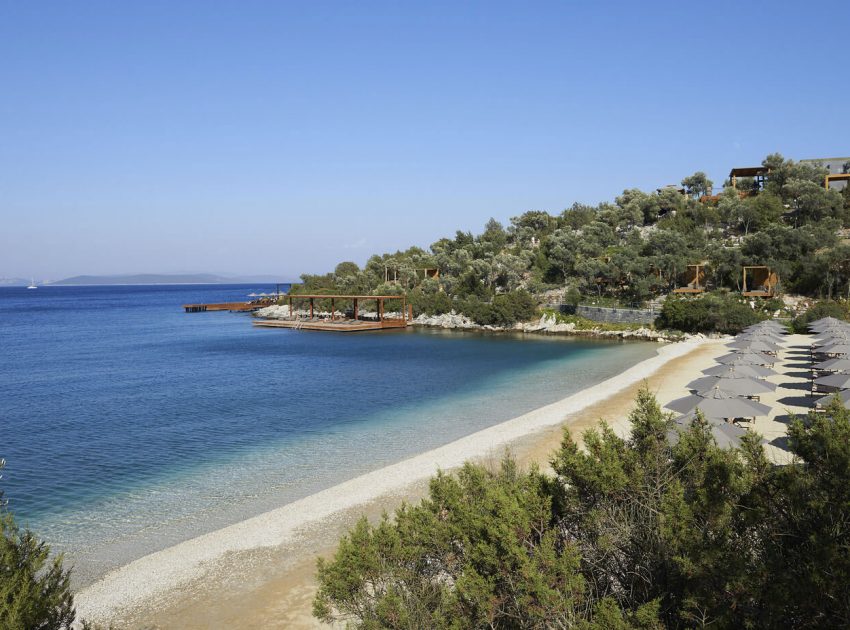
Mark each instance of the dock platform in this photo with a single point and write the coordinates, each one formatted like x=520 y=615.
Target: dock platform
x=339 y=325
x=342 y=319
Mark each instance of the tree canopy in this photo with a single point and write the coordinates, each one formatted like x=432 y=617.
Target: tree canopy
x=628 y=533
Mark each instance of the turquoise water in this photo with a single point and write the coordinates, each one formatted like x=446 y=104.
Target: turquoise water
x=128 y=425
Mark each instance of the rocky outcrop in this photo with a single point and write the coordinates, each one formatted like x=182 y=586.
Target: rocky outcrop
x=447 y=320
x=548 y=324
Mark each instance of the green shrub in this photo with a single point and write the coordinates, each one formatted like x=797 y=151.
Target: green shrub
x=505 y=309
x=436 y=303
x=706 y=313
x=34 y=588
x=825 y=308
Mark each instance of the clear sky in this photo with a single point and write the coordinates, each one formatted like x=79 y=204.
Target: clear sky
x=282 y=137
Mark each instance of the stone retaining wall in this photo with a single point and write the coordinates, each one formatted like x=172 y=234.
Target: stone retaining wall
x=609 y=315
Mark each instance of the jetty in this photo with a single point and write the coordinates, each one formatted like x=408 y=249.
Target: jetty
x=342 y=313
x=228 y=306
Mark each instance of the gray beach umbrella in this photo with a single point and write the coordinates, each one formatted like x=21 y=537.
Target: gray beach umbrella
x=839 y=381
x=843 y=396
x=836 y=348
x=754 y=345
x=716 y=403
x=833 y=365
x=767 y=325
x=746 y=358
x=760 y=334
x=751 y=371
x=725 y=434
x=824 y=321
x=826 y=328
x=830 y=339
x=738 y=385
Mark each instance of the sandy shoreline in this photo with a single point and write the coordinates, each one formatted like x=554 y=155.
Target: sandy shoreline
x=258 y=573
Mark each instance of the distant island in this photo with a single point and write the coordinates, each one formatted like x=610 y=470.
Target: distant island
x=13 y=282
x=154 y=278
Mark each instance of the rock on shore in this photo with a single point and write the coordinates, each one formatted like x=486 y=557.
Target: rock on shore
x=547 y=324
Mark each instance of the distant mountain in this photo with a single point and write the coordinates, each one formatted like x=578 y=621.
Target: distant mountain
x=156 y=278
x=13 y=282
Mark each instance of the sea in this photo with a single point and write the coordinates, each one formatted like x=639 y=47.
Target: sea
x=128 y=425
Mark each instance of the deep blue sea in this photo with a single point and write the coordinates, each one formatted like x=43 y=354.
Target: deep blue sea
x=128 y=425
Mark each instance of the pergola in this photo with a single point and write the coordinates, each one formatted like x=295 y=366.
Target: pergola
x=356 y=299
x=758 y=173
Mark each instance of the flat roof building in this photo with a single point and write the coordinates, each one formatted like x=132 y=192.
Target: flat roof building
x=838 y=171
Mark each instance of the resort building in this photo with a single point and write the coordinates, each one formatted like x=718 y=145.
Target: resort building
x=839 y=171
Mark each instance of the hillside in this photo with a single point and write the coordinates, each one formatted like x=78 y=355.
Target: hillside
x=630 y=251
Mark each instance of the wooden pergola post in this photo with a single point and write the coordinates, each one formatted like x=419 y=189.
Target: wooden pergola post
x=291 y=312
x=380 y=309
x=311 y=308
x=355 y=309
x=333 y=310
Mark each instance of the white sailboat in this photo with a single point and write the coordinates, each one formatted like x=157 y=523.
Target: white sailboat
x=32 y=284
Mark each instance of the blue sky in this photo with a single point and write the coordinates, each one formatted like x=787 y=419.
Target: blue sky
x=282 y=137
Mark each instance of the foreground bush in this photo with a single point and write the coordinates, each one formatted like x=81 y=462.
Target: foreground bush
x=628 y=534
x=34 y=589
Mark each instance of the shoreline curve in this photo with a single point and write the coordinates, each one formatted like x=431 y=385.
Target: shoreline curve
x=132 y=585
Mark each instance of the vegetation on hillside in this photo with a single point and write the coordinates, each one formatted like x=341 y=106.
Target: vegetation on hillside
x=628 y=251
x=631 y=533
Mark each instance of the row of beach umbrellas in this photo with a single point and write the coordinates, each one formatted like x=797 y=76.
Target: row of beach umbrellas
x=730 y=390
x=831 y=359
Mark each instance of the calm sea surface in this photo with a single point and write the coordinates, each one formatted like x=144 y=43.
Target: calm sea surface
x=128 y=425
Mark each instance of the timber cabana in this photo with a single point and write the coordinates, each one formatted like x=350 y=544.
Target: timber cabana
x=344 y=314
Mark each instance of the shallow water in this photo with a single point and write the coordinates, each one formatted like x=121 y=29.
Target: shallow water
x=128 y=425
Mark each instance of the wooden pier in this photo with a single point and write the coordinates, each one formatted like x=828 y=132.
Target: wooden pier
x=226 y=306
x=342 y=320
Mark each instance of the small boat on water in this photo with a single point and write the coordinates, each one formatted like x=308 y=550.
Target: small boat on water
x=32 y=284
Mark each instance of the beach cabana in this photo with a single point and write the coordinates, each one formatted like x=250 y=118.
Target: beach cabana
x=716 y=403
x=736 y=385
x=751 y=371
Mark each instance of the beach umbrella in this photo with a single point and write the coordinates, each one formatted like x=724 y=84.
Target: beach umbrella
x=754 y=345
x=825 y=321
x=838 y=381
x=716 y=403
x=751 y=371
x=738 y=385
x=746 y=358
x=835 y=348
x=768 y=325
x=833 y=365
x=252 y=295
x=822 y=328
x=831 y=338
x=760 y=335
x=725 y=434
x=843 y=396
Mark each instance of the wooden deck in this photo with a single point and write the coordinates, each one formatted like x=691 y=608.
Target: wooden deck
x=339 y=325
